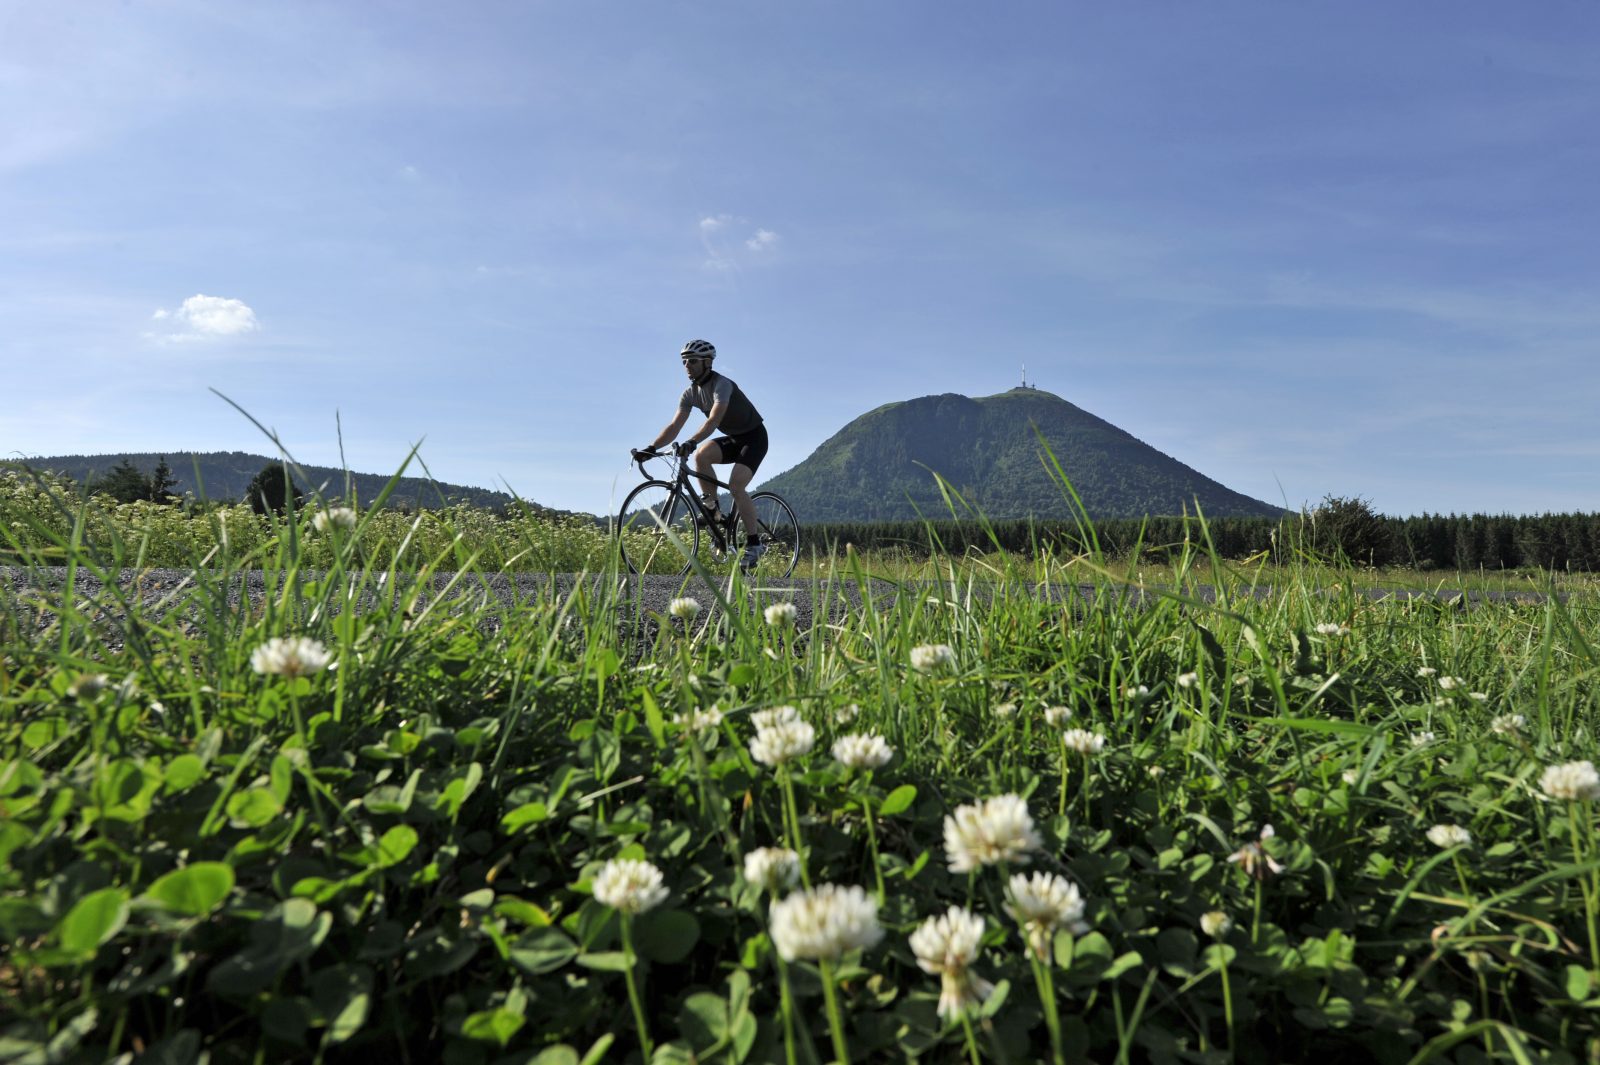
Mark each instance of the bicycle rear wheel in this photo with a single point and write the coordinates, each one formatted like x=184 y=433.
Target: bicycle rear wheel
x=656 y=531
x=778 y=533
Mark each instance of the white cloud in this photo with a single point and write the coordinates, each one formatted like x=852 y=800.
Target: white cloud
x=207 y=318
x=724 y=251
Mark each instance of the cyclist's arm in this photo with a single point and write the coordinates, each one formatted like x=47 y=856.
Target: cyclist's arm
x=670 y=433
x=714 y=419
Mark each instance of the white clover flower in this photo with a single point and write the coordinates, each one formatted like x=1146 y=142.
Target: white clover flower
x=1575 y=781
x=1216 y=924
x=946 y=947
x=1055 y=715
x=1508 y=724
x=1426 y=671
x=1450 y=683
x=629 y=885
x=780 y=615
x=846 y=714
x=1350 y=776
x=1332 y=628
x=1242 y=680
x=1083 y=741
x=783 y=743
x=824 y=922
x=1478 y=697
x=1447 y=836
x=931 y=657
x=334 y=518
x=685 y=608
x=862 y=751
x=772 y=868
x=1254 y=859
x=1040 y=904
x=1422 y=739
x=1188 y=680
x=700 y=721
x=158 y=708
x=777 y=715
x=296 y=656
x=1155 y=772
x=88 y=686
x=1004 y=710
x=996 y=830
x=1136 y=692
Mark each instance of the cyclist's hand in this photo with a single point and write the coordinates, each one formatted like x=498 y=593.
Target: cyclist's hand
x=683 y=449
x=642 y=453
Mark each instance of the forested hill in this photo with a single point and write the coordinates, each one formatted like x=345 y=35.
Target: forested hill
x=877 y=467
x=224 y=476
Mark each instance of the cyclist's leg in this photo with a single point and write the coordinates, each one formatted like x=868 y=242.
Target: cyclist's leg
x=738 y=481
x=709 y=452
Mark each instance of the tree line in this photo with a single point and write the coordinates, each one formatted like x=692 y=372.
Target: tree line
x=1338 y=528
x=271 y=489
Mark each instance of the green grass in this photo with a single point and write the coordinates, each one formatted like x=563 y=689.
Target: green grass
x=394 y=858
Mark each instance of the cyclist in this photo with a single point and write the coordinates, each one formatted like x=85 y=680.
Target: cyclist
x=743 y=441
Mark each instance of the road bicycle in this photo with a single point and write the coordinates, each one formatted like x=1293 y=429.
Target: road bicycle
x=665 y=527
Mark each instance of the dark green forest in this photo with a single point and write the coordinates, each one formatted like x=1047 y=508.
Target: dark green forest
x=1566 y=542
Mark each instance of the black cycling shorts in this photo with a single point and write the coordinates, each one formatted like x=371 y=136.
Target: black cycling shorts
x=748 y=449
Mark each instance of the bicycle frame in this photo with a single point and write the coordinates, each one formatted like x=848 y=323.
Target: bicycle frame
x=712 y=521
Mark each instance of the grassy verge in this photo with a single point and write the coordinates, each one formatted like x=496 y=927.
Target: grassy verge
x=1255 y=828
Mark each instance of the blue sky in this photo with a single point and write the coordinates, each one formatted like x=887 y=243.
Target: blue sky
x=1307 y=248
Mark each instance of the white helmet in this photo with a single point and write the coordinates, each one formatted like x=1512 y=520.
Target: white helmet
x=698 y=349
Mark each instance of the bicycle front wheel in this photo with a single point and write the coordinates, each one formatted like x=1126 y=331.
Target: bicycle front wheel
x=778 y=533
x=656 y=531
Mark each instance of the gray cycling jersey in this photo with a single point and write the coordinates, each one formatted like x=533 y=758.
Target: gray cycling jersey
x=741 y=416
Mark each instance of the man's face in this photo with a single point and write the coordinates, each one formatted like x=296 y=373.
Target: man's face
x=694 y=366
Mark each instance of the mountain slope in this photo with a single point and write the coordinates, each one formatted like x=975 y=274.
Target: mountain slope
x=224 y=475
x=873 y=468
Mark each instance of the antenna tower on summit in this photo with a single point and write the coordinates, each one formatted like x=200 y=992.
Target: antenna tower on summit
x=1025 y=383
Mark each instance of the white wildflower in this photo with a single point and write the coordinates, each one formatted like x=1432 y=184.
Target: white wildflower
x=698 y=722
x=777 y=715
x=1254 y=859
x=846 y=714
x=1447 y=836
x=996 y=830
x=1042 y=903
x=946 y=947
x=1188 y=680
x=862 y=751
x=1332 y=628
x=780 y=615
x=772 y=868
x=1155 y=772
x=1216 y=924
x=1422 y=739
x=1478 y=697
x=1450 y=683
x=1083 y=741
x=1426 y=671
x=931 y=657
x=1508 y=724
x=1055 y=715
x=685 y=608
x=1350 y=776
x=629 y=885
x=783 y=742
x=1571 y=780
x=1004 y=710
x=334 y=518
x=296 y=656
x=1137 y=693
x=824 y=922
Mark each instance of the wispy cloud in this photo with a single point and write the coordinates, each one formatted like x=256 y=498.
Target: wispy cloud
x=725 y=252
x=202 y=317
